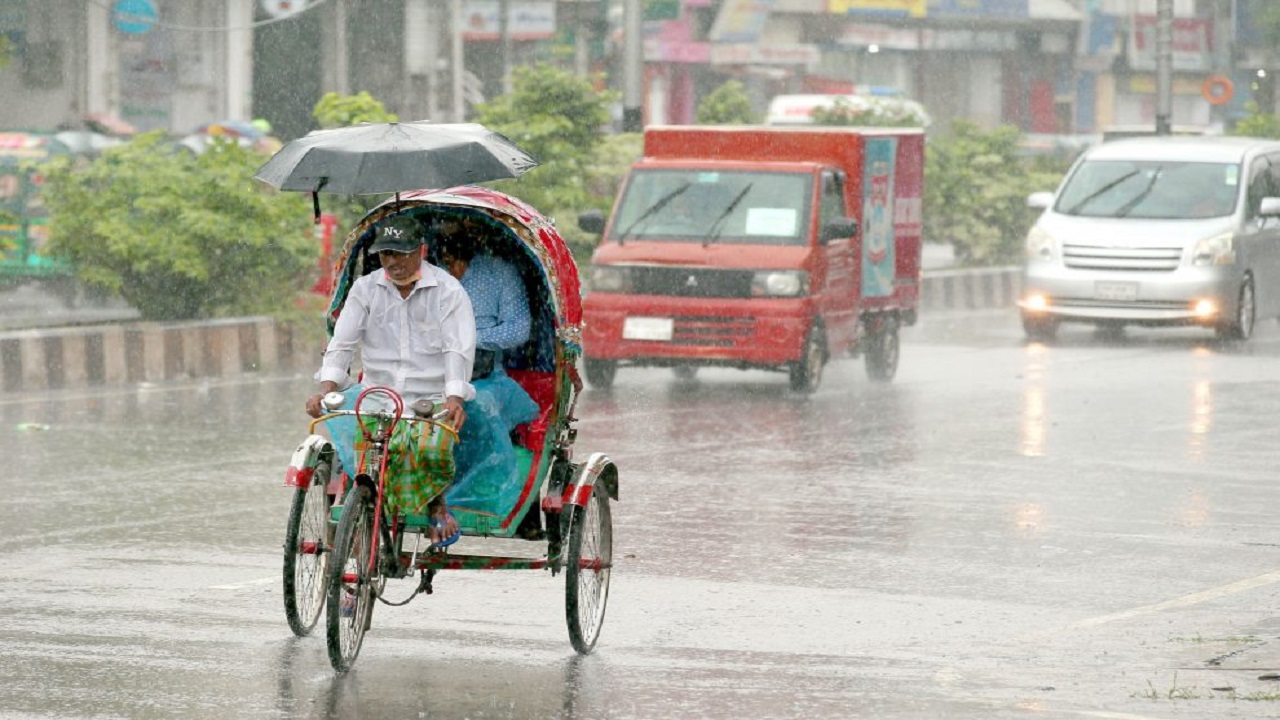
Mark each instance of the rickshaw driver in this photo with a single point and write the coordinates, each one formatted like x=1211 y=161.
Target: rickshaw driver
x=415 y=329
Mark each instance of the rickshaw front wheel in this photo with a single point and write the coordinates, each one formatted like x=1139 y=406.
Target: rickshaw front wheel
x=306 y=553
x=352 y=579
x=587 y=569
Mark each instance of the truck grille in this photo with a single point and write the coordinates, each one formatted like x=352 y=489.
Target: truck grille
x=712 y=331
x=690 y=282
x=1096 y=257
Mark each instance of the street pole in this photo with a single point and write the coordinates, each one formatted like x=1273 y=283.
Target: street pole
x=1164 y=67
x=632 y=67
x=504 y=32
x=455 y=61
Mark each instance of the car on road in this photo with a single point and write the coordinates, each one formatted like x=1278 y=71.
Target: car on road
x=1158 y=231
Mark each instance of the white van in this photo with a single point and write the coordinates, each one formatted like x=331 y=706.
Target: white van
x=893 y=110
x=1158 y=231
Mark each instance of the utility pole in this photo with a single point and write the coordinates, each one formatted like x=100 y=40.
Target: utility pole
x=455 y=61
x=632 y=67
x=1164 y=67
x=504 y=39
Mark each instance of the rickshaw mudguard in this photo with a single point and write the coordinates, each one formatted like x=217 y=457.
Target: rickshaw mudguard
x=302 y=466
x=598 y=469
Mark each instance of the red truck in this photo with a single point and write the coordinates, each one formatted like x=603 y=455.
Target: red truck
x=772 y=248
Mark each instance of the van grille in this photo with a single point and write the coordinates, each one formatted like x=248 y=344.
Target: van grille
x=1097 y=257
x=712 y=331
x=690 y=282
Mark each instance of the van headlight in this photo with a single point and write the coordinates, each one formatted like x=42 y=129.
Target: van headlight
x=780 y=283
x=1217 y=250
x=1040 y=246
x=610 y=278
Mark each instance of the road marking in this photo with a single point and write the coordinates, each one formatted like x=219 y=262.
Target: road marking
x=246 y=584
x=1180 y=602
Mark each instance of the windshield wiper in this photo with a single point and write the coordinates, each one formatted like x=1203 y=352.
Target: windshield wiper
x=716 y=226
x=1093 y=195
x=1123 y=210
x=662 y=202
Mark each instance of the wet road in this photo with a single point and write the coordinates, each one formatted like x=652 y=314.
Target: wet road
x=1080 y=530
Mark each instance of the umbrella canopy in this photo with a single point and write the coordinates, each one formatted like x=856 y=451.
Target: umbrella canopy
x=394 y=157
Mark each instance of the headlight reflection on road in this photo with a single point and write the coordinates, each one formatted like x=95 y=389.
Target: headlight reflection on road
x=1201 y=419
x=1033 y=401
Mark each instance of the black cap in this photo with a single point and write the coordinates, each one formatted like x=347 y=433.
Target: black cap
x=399 y=234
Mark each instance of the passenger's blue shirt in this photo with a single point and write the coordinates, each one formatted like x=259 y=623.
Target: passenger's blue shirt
x=499 y=302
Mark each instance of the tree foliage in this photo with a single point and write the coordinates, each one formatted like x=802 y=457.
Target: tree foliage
x=976 y=187
x=335 y=111
x=557 y=117
x=179 y=235
x=1257 y=123
x=728 y=104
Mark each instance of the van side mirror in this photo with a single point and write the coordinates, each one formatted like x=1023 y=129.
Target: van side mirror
x=1270 y=207
x=838 y=229
x=591 y=221
x=1039 y=200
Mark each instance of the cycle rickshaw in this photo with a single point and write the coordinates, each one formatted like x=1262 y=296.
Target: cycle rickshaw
x=342 y=545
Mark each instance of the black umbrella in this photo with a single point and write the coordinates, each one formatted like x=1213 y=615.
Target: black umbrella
x=391 y=157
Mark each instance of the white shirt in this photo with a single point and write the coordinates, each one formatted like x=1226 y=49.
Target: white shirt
x=421 y=346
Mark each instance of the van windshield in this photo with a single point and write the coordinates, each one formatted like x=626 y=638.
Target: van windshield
x=758 y=208
x=1164 y=190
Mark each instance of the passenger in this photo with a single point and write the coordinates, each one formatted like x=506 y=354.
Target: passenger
x=415 y=330
x=489 y=479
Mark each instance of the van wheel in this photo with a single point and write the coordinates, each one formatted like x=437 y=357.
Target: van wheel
x=806 y=373
x=600 y=372
x=1039 y=328
x=685 y=373
x=1240 y=327
x=882 y=354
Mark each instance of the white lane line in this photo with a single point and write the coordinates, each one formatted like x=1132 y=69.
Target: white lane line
x=243 y=585
x=1185 y=601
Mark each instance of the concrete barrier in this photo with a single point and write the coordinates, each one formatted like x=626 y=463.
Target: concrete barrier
x=124 y=354
x=970 y=289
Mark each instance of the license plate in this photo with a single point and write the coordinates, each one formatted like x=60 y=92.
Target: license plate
x=647 y=328
x=1116 y=291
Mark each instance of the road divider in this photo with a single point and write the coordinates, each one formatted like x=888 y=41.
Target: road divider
x=129 y=353
x=970 y=289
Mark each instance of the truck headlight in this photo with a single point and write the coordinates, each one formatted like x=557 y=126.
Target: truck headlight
x=1217 y=250
x=779 y=283
x=1040 y=246
x=610 y=278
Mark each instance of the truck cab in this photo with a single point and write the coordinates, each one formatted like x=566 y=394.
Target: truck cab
x=747 y=248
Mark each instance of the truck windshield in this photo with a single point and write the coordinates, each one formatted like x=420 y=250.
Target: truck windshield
x=760 y=208
x=1163 y=190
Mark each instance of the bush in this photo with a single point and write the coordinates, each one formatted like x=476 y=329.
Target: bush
x=180 y=236
x=976 y=187
x=727 y=105
x=1257 y=123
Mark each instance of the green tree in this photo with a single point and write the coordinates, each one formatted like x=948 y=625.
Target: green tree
x=1257 y=123
x=727 y=105
x=557 y=117
x=976 y=188
x=179 y=235
x=335 y=111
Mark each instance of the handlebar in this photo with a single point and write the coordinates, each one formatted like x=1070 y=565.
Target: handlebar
x=423 y=409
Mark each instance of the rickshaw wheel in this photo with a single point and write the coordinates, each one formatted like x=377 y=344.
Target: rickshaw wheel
x=306 y=553
x=352 y=579
x=587 y=569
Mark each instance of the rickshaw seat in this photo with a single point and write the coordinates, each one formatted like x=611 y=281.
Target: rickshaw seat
x=541 y=386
